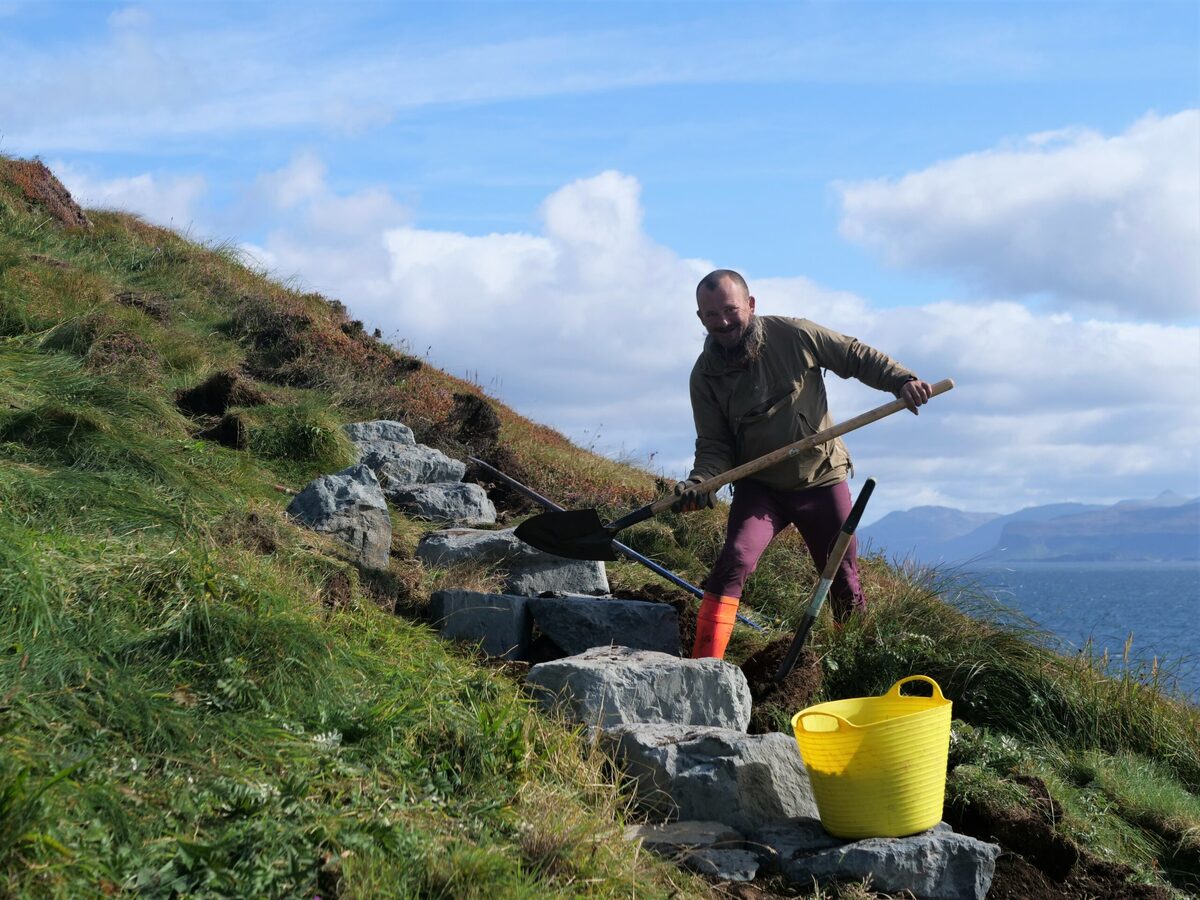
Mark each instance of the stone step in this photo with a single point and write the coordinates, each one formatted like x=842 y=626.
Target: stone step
x=719 y=774
x=612 y=686
x=527 y=571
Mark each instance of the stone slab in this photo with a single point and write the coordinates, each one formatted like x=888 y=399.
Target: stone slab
x=500 y=623
x=608 y=686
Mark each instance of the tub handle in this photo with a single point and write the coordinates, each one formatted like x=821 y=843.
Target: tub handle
x=937 y=691
x=800 y=719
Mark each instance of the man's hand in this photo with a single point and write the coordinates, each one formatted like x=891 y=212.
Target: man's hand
x=916 y=393
x=689 y=499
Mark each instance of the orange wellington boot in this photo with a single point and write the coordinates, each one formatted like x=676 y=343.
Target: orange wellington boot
x=714 y=624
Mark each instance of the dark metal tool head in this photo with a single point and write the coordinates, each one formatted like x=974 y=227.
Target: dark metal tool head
x=572 y=533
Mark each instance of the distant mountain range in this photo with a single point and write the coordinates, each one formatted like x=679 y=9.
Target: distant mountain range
x=1166 y=528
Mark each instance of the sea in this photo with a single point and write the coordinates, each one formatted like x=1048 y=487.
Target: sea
x=1155 y=607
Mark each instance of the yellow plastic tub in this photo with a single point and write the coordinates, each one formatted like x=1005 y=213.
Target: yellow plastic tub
x=877 y=764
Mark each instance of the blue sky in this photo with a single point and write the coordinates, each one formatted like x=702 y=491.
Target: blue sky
x=1005 y=193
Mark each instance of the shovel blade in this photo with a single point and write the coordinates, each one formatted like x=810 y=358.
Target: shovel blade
x=572 y=533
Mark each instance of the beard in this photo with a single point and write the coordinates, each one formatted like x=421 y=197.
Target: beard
x=745 y=351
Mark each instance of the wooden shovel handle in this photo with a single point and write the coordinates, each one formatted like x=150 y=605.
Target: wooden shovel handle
x=776 y=456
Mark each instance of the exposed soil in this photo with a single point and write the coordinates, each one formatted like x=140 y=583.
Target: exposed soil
x=43 y=190
x=1028 y=831
x=776 y=701
x=230 y=431
x=474 y=424
x=1017 y=878
x=49 y=261
x=337 y=592
x=395 y=590
x=403 y=365
x=474 y=427
x=509 y=502
x=155 y=306
x=1038 y=862
x=251 y=531
x=217 y=394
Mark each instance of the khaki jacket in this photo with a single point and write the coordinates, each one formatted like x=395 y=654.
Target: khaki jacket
x=745 y=411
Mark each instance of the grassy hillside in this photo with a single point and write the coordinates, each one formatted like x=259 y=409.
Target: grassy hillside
x=200 y=699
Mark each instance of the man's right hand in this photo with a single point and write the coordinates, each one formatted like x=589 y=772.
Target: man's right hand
x=689 y=499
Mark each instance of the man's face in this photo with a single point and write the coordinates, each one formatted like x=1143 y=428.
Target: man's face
x=725 y=311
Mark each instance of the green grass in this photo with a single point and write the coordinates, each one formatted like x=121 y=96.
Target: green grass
x=201 y=699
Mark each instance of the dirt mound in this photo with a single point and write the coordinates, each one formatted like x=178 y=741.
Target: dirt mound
x=248 y=530
x=42 y=190
x=775 y=702
x=1028 y=830
x=1041 y=864
x=217 y=394
x=509 y=502
x=474 y=423
x=1017 y=878
x=230 y=431
x=155 y=306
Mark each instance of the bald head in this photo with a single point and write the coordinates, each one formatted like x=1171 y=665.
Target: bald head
x=713 y=280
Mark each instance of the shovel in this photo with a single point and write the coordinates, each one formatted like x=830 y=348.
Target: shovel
x=627 y=552
x=579 y=533
x=821 y=591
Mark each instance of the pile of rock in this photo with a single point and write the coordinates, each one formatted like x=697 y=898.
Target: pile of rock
x=550 y=607
x=726 y=803
x=419 y=480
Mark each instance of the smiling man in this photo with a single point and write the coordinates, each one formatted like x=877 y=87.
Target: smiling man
x=756 y=387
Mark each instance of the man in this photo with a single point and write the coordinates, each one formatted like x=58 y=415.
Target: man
x=756 y=387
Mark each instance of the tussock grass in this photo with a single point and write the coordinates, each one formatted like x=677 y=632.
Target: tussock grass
x=200 y=698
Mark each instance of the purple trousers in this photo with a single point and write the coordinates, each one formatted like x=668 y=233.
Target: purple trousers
x=759 y=513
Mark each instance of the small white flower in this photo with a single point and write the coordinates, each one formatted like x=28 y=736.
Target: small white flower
x=327 y=740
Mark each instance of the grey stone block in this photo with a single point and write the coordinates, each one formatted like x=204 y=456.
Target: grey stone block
x=669 y=837
x=723 y=865
x=398 y=464
x=579 y=623
x=380 y=431
x=350 y=505
x=500 y=623
x=527 y=571
x=453 y=502
x=938 y=864
x=716 y=774
x=608 y=686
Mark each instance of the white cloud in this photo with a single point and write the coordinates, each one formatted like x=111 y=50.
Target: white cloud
x=170 y=200
x=335 y=242
x=589 y=326
x=1045 y=408
x=1107 y=224
x=301 y=180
